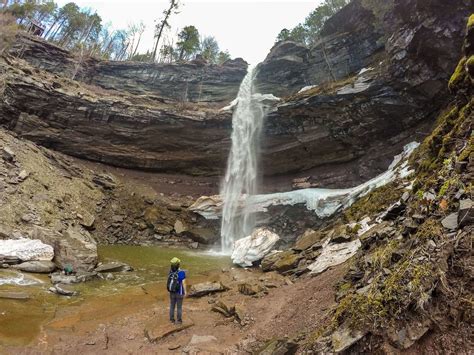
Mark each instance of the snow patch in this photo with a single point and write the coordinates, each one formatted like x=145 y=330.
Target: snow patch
x=26 y=249
x=306 y=88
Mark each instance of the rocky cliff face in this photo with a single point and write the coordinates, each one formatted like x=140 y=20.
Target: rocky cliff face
x=343 y=131
x=143 y=132
x=196 y=81
x=348 y=114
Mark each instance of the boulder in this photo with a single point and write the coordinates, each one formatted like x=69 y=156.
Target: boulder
x=42 y=267
x=26 y=249
x=203 y=235
x=205 y=288
x=254 y=247
x=334 y=254
x=73 y=247
x=113 y=267
x=281 y=261
x=308 y=239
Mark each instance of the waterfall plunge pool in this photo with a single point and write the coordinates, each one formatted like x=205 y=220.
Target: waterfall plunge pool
x=21 y=321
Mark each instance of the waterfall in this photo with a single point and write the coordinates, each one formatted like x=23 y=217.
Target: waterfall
x=241 y=178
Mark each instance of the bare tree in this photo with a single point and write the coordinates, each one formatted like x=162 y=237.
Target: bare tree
x=163 y=24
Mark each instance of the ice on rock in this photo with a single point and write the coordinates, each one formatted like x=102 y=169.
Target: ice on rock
x=254 y=247
x=324 y=202
x=26 y=249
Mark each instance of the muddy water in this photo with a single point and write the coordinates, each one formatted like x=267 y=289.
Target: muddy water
x=21 y=321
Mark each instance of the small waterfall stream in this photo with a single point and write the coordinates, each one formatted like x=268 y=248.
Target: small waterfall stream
x=241 y=179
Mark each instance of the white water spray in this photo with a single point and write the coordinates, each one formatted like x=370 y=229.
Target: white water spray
x=241 y=179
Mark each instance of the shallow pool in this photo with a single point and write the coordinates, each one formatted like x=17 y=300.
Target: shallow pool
x=21 y=320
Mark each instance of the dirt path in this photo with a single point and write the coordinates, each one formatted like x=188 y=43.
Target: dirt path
x=117 y=324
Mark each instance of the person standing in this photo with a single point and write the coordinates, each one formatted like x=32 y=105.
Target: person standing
x=176 y=286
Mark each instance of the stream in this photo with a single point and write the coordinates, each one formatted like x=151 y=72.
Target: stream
x=22 y=320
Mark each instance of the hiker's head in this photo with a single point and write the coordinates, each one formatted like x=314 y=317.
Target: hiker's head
x=175 y=263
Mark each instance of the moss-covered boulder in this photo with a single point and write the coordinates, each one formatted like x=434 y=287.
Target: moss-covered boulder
x=281 y=261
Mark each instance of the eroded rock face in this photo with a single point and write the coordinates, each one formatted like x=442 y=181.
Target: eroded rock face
x=166 y=117
x=380 y=73
x=118 y=129
x=195 y=81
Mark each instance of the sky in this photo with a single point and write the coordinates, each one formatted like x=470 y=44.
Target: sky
x=245 y=28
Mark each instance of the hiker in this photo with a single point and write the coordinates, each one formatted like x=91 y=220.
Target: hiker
x=177 y=288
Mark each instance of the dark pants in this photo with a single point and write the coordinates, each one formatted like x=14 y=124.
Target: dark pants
x=176 y=300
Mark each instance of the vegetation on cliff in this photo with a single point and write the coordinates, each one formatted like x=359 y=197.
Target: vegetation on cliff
x=82 y=31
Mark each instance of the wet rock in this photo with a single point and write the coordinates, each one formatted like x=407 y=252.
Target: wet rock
x=308 y=239
x=42 y=267
x=279 y=347
x=63 y=290
x=26 y=249
x=206 y=236
x=14 y=295
x=254 y=247
x=72 y=279
x=205 y=288
x=334 y=254
x=466 y=212
x=343 y=338
x=113 y=267
x=451 y=221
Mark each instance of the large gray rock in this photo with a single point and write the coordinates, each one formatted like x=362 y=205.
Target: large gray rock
x=71 y=248
x=42 y=267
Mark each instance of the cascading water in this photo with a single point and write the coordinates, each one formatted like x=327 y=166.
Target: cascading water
x=241 y=179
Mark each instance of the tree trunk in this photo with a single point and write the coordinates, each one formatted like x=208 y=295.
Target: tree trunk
x=136 y=47
x=165 y=21
x=50 y=28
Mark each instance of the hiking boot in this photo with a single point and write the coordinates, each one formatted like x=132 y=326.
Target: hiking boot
x=172 y=321
x=179 y=322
